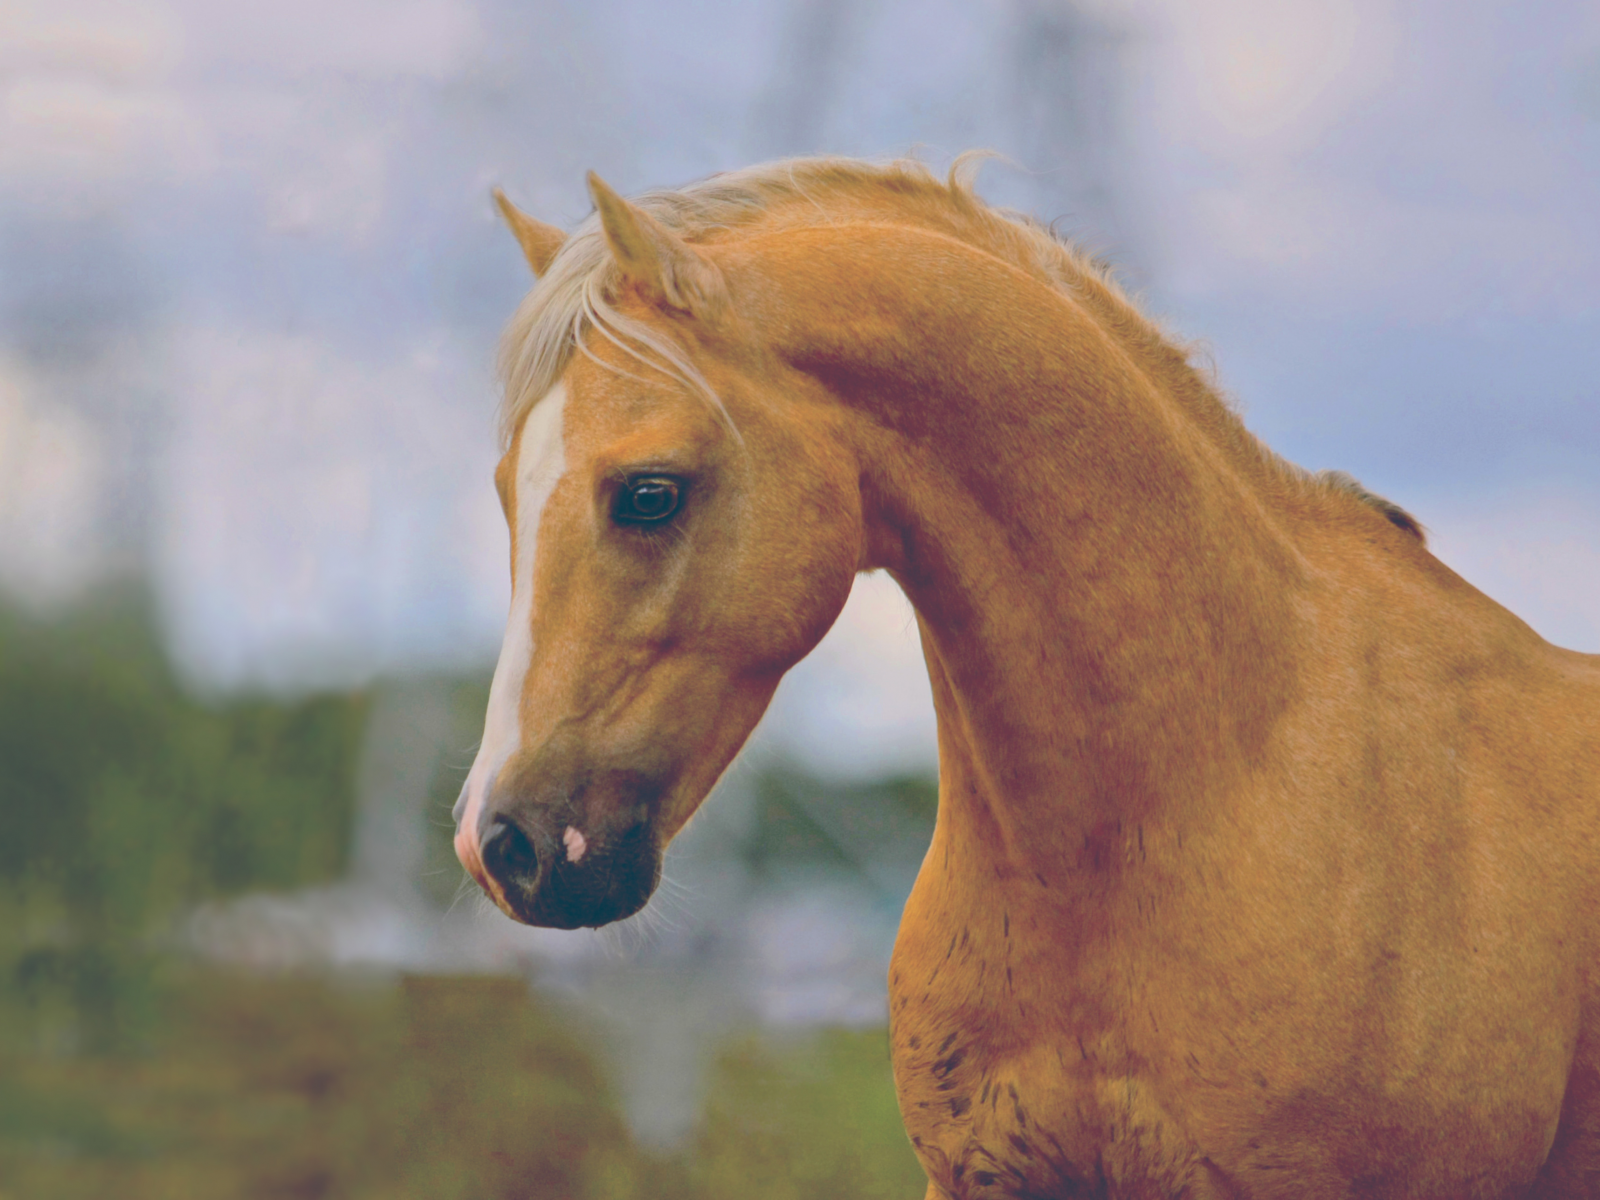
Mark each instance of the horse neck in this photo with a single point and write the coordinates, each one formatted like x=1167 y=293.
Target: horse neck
x=1102 y=588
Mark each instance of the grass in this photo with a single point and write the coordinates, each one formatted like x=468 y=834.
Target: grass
x=445 y=1088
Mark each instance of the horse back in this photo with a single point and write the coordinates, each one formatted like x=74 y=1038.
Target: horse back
x=1465 y=749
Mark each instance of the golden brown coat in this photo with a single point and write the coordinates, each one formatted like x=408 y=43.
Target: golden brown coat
x=1265 y=863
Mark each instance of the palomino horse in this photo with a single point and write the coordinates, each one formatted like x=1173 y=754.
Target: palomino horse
x=1266 y=847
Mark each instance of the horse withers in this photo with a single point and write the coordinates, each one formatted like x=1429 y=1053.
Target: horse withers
x=1265 y=861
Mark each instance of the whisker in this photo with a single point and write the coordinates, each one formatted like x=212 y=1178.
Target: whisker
x=463 y=889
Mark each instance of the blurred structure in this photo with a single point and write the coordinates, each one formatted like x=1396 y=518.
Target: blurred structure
x=778 y=908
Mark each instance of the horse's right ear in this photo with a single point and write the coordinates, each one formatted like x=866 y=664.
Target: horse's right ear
x=539 y=241
x=654 y=259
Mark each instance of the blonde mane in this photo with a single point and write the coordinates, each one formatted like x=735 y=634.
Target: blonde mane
x=575 y=295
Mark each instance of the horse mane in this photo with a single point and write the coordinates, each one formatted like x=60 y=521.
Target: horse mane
x=575 y=294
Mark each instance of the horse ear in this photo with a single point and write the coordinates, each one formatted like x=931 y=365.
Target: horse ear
x=539 y=241
x=662 y=265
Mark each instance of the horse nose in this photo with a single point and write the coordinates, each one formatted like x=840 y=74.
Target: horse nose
x=560 y=852
x=510 y=857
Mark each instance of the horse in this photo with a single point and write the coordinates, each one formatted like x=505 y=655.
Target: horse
x=1264 y=862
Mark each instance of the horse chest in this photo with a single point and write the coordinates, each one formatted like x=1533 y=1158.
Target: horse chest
x=1016 y=1090
x=1029 y=1124
x=1025 y=1073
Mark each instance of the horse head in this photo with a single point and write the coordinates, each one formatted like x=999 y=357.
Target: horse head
x=684 y=529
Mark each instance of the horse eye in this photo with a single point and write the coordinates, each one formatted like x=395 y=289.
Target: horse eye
x=646 y=500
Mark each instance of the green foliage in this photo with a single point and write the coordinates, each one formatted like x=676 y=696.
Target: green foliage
x=442 y=877
x=876 y=831
x=122 y=800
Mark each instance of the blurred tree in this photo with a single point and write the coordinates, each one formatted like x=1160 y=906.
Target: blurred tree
x=122 y=800
x=877 y=830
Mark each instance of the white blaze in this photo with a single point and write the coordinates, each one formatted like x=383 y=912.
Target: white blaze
x=541 y=460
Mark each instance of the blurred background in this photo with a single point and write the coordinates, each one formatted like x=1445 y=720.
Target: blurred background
x=252 y=571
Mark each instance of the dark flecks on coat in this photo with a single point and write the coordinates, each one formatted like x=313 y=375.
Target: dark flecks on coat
x=945 y=1065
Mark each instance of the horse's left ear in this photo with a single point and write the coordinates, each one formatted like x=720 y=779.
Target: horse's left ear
x=658 y=262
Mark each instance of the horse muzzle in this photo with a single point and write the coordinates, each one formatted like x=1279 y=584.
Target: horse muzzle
x=566 y=857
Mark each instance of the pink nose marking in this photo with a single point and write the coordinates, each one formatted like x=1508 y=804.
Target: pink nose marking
x=575 y=844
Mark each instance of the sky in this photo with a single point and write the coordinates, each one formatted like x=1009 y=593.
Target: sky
x=251 y=279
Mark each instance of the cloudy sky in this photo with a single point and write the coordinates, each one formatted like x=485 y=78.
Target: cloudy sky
x=250 y=279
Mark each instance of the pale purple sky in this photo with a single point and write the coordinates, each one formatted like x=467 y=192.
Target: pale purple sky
x=250 y=280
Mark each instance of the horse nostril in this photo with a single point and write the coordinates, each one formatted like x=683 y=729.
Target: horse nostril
x=508 y=854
